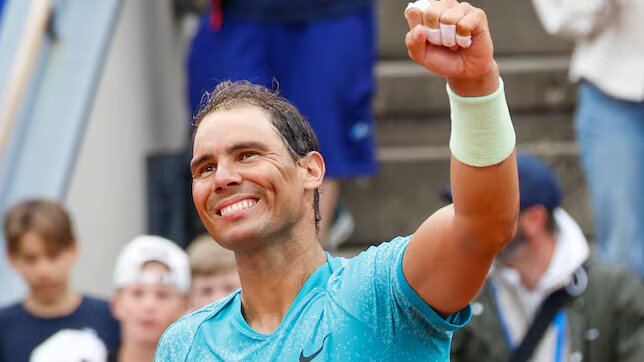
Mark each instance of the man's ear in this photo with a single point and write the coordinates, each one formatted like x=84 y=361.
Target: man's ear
x=536 y=219
x=314 y=166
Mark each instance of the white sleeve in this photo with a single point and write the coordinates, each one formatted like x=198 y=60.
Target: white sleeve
x=575 y=19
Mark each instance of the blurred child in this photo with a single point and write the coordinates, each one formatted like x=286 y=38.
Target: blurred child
x=42 y=247
x=152 y=278
x=214 y=272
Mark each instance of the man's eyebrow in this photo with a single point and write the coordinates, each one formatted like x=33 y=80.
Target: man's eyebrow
x=200 y=160
x=247 y=145
x=234 y=148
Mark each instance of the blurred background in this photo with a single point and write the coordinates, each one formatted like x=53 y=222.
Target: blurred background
x=98 y=119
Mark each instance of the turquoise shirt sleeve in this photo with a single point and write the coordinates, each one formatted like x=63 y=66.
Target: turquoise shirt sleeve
x=373 y=288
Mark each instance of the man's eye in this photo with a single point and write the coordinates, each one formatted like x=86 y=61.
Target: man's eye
x=204 y=171
x=246 y=155
x=163 y=294
x=137 y=293
x=29 y=259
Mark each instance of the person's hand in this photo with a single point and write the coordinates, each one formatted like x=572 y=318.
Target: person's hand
x=452 y=40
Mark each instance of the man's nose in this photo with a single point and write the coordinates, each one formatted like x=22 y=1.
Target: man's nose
x=44 y=267
x=149 y=301
x=225 y=177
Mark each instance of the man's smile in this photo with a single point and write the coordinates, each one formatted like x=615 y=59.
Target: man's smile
x=236 y=206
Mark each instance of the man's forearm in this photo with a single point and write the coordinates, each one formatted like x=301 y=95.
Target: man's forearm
x=483 y=172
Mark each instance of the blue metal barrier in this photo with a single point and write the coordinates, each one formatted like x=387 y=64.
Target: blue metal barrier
x=43 y=144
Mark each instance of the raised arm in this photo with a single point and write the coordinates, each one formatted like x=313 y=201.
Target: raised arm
x=449 y=256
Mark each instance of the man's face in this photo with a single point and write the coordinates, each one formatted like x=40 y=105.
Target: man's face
x=246 y=186
x=146 y=310
x=209 y=288
x=46 y=274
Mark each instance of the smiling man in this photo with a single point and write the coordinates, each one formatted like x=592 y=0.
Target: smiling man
x=256 y=173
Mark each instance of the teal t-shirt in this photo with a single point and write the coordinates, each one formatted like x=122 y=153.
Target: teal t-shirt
x=358 y=309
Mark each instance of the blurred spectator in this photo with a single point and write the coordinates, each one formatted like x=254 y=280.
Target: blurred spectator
x=608 y=59
x=320 y=54
x=42 y=248
x=595 y=311
x=214 y=272
x=152 y=278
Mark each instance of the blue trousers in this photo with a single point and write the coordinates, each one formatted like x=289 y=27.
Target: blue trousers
x=610 y=133
x=324 y=67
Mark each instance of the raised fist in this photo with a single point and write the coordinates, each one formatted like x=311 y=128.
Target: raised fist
x=452 y=40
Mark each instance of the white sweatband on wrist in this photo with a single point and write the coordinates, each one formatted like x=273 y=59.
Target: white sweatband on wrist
x=482 y=131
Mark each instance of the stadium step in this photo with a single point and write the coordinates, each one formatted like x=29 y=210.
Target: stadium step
x=412 y=122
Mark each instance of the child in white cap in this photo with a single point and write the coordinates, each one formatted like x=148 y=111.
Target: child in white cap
x=152 y=280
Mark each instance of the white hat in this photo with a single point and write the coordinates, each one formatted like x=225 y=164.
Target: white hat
x=147 y=248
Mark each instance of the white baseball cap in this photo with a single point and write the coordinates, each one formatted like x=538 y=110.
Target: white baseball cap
x=145 y=248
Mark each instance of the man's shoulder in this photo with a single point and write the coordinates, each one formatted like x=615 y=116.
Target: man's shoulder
x=389 y=248
x=604 y=271
x=610 y=281
x=176 y=342
x=11 y=311
x=91 y=302
x=95 y=307
x=370 y=263
x=192 y=321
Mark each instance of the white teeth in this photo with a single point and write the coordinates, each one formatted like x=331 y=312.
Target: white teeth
x=242 y=205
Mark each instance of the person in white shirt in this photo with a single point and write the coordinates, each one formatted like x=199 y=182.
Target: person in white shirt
x=608 y=63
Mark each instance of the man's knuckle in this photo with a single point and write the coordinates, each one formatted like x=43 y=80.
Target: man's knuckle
x=432 y=13
x=463 y=28
x=413 y=14
x=451 y=16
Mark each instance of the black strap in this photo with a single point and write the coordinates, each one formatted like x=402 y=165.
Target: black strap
x=547 y=312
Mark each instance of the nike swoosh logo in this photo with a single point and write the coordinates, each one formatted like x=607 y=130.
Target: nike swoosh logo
x=309 y=358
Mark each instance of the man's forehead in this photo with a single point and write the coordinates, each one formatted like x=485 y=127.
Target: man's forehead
x=239 y=115
x=226 y=128
x=239 y=118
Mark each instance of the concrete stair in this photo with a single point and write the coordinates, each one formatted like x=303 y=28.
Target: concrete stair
x=412 y=122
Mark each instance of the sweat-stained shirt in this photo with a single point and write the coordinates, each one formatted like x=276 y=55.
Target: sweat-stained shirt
x=358 y=309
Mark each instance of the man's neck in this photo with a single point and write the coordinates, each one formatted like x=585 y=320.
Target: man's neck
x=133 y=352
x=532 y=267
x=272 y=277
x=63 y=304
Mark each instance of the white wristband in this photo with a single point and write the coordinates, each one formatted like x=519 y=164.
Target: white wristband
x=482 y=130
